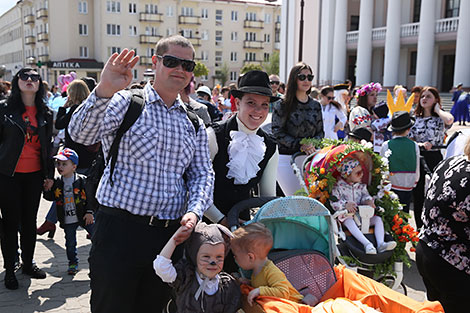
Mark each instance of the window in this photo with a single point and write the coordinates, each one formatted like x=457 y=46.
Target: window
x=150 y=52
x=132 y=30
x=278 y=18
x=151 y=31
x=234 y=36
x=218 y=17
x=204 y=78
x=113 y=29
x=170 y=31
x=112 y=50
x=277 y=36
x=204 y=14
x=416 y=10
x=267 y=18
x=267 y=37
x=83 y=29
x=413 y=57
x=133 y=8
x=113 y=6
x=250 y=16
x=83 y=52
x=204 y=55
x=187 y=33
x=354 y=24
x=233 y=76
x=82 y=7
x=452 y=8
x=205 y=35
x=187 y=11
x=170 y=11
x=234 y=16
x=250 y=56
x=218 y=37
x=218 y=57
x=233 y=56
x=266 y=57
x=151 y=8
x=250 y=36
x=135 y=74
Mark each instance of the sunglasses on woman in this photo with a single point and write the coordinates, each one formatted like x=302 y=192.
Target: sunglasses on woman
x=24 y=76
x=302 y=77
x=172 y=62
x=274 y=82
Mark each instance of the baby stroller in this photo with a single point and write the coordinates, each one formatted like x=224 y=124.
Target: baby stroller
x=323 y=165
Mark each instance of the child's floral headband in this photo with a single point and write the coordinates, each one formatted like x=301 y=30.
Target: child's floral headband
x=368 y=88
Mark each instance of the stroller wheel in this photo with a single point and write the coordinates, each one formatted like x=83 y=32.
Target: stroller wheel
x=389 y=282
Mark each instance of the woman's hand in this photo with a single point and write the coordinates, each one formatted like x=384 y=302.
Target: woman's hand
x=88 y=218
x=307 y=148
x=338 y=126
x=370 y=203
x=427 y=145
x=48 y=183
x=351 y=207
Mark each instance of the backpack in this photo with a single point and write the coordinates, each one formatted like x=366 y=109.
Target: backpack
x=99 y=163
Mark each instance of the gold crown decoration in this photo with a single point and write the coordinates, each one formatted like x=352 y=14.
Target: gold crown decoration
x=399 y=105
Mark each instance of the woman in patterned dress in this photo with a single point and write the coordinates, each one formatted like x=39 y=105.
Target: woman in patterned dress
x=297 y=116
x=428 y=131
x=443 y=252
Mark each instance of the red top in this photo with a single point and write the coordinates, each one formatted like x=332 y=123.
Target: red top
x=30 y=158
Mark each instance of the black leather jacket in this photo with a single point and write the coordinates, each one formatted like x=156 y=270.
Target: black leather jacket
x=12 y=138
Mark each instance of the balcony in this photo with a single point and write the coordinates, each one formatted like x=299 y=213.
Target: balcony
x=277 y=45
x=352 y=37
x=150 y=17
x=447 y=25
x=248 y=44
x=151 y=39
x=255 y=62
x=43 y=58
x=31 y=60
x=409 y=30
x=43 y=37
x=253 y=24
x=29 y=19
x=145 y=60
x=195 y=41
x=379 y=33
x=277 y=26
x=41 y=13
x=30 y=40
x=189 y=20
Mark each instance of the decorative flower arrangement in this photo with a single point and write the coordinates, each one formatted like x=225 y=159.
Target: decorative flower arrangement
x=320 y=182
x=368 y=88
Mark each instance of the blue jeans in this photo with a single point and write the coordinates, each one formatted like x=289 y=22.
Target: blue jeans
x=52 y=213
x=71 y=240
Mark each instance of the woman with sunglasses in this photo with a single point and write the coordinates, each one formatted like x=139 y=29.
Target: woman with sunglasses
x=334 y=118
x=297 y=116
x=25 y=162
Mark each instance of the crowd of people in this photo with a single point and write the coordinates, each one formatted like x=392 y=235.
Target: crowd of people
x=173 y=172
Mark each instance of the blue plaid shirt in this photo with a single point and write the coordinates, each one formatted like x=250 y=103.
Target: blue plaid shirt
x=153 y=156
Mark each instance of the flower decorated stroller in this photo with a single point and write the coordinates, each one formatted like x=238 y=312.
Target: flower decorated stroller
x=304 y=248
x=320 y=173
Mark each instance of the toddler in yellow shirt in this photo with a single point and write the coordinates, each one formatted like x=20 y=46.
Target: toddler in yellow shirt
x=250 y=246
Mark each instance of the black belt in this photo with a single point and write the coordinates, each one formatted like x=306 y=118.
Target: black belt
x=146 y=220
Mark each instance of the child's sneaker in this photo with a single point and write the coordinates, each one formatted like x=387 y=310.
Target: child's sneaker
x=387 y=246
x=73 y=269
x=370 y=249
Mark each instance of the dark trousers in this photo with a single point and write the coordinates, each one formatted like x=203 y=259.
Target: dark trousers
x=121 y=265
x=19 y=203
x=432 y=158
x=405 y=198
x=444 y=282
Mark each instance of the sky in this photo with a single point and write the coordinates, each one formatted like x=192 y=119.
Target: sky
x=6 y=5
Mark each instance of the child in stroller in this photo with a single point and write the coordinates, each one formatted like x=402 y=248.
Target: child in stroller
x=351 y=192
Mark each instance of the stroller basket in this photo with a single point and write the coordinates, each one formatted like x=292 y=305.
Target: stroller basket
x=308 y=271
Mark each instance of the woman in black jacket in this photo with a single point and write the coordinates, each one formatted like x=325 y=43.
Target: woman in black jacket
x=25 y=162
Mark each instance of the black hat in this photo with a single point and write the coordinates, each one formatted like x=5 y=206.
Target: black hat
x=401 y=120
x=381 y=109
x=341 y=87
x=361 y=133
x=255 y=82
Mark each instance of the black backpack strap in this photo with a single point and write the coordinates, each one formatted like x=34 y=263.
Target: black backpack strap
x=133 y=112
x=193 y=118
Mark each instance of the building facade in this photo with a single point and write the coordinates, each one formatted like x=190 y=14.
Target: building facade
x=64 y=36
x=407 y=42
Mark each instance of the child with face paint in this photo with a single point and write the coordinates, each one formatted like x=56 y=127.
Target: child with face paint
x=198 y=280
x=351 y=192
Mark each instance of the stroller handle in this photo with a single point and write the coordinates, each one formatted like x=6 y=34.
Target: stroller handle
x=234 y=213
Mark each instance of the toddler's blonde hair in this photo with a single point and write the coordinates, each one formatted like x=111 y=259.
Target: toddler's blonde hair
x=255 y=238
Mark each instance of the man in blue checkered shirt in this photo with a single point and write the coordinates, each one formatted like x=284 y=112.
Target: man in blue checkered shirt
x=163 y=177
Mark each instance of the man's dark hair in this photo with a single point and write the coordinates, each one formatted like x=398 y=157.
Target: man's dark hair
x=163 y=45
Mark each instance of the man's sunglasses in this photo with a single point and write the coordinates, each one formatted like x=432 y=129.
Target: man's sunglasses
x=274 y=82
x=302 y=77
x=172 y=62
x=330 y=98
x=24 y=76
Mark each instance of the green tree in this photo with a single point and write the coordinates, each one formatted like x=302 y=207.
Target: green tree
x=200 y=70
x=272 y=67
x=222 y=74
x=250 y=67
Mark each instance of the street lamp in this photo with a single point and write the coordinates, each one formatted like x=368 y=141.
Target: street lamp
x=301 y=29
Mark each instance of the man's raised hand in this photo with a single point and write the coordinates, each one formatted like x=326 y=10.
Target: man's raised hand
x=117 y=73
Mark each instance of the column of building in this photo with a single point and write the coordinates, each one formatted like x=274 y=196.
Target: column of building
x=339 y=41
x=462 y=61
x=364 y=43
x=427 y=25
x=392 y=43
x=326 y=40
